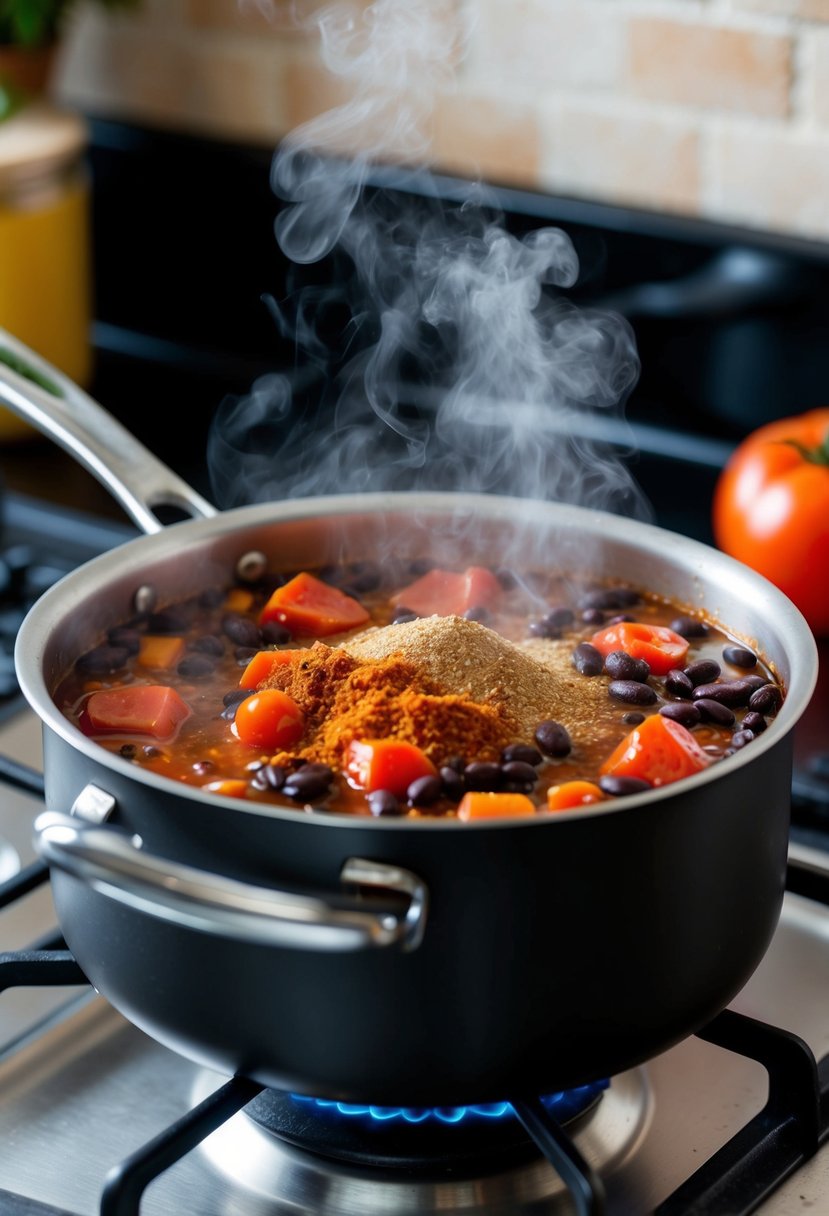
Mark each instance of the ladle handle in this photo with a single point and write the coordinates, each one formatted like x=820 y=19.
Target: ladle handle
x=59 y=408
x=116 y=866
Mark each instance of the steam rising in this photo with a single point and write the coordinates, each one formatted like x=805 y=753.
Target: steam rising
x=444 y=353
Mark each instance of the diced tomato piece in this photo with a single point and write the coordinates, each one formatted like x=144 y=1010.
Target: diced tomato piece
x=448 y=592
x=386 y=764
x=307 y=605
x=659 y=750
x=485 y=805
x=573 y=793
x=660 y=647
x=269 y=719
x=136 y=709
x=265 y=663
x=159 y=650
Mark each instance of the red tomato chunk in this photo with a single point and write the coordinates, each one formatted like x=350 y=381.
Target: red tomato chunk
x=139 y=709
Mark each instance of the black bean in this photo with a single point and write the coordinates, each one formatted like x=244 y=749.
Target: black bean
x=715 y=711
x=633 y=718
x=383 y=802
x=244 y=654
x=593 y=616
x=542 y=628
x=452 y=782
x=684 y=712
x=363 y=577
x=211 y=597
x=103 y=660
x=456 y=762
x=516 y=772
x=587 y=660
x=766 y=700
x=620 y=618
x=130 y=639
x=424 y=791
x=617 y=787
x=741 y=737
x=609 y=598
x=170 y=620
x=402 y=616
x=322 y=770
x=524 y=752
x=208 y=644
x=127 y=750
x=196 y=666
x=304 y=785
x=552 y=623
x=275 y=634
x=200 y=767
x=478 y=613
x=754 y=722
x=729 y=692
x=482 y=775
x=678 y=684
x=151 y=751
x=739 y=656
x=236 y=695
x=619 y=665
x=689 y=627
x=241 y=630
x=756 y=680
x=269 y=777
x=553 y=739
x=704 y=671
x=631 y=692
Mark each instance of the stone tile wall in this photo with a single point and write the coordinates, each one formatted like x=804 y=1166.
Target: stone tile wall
x=713 y=108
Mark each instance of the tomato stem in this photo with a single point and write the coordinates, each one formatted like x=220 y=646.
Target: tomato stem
x=816 y=455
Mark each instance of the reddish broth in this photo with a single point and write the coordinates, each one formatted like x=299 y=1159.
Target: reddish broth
x=221 y=629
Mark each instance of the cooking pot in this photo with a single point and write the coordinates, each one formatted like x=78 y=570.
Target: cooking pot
x=416 y=962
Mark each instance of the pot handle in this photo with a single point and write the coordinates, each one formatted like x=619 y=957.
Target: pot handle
x=112 y=862
x=52 y=403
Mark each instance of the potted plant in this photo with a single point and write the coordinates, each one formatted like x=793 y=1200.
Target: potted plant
x=30 y=32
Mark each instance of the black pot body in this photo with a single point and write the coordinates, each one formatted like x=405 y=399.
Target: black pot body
x=557 y=950
x=554 y=953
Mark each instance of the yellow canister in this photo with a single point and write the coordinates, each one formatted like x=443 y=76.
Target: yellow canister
x=45 y=277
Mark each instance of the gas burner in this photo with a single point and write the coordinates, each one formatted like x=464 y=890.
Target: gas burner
x=335 y=1167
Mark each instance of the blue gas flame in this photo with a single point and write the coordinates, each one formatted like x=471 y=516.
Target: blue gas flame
x=562 y=1106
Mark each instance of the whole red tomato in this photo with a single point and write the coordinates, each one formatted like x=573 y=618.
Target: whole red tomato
x=771 y=510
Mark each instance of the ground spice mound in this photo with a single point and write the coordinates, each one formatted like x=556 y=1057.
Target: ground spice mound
x=467 y=658
x=345 y=697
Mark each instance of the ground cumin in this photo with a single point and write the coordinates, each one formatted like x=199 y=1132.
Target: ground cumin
x=449 y=685
x=344 y=697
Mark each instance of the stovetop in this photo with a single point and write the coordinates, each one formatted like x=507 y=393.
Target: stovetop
x=82 y=1092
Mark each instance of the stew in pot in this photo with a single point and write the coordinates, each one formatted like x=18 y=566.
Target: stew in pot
x=471 y=693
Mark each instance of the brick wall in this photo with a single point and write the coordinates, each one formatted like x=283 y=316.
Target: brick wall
x=716 y=108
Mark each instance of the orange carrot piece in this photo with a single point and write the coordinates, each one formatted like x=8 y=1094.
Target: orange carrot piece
x=238 y=600
x=135 y=709
x=386 y=764
x=160 y=650
x=571 y=794
x=231 y=787
x=306 y=605
x=659 y=750
x=485 y=805
x=264 y=664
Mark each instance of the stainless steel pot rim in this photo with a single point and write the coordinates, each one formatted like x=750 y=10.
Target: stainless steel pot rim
x=39 y=624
